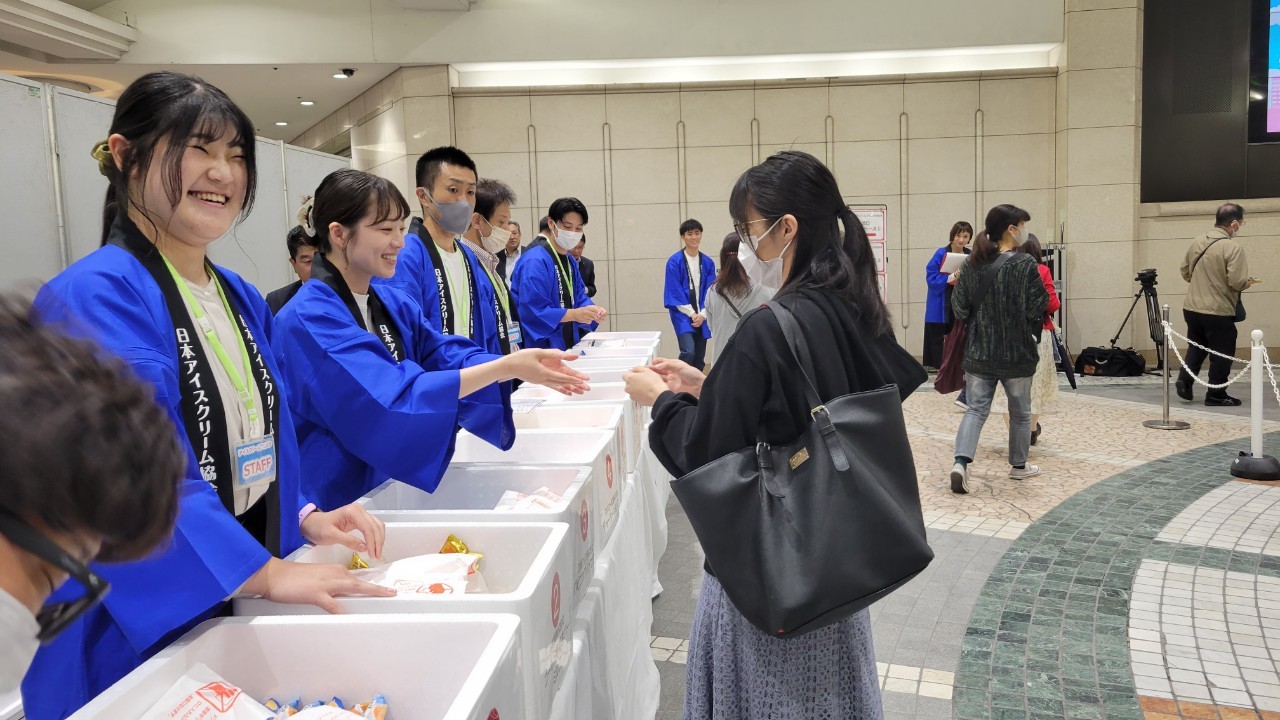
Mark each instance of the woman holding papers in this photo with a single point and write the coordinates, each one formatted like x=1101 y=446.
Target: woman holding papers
x=937 y=311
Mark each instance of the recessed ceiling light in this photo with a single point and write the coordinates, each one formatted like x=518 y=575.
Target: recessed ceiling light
x=281 y=124
x=344 y=73
x=307 y=103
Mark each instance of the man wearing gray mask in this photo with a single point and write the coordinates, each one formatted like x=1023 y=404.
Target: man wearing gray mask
x=437 y=270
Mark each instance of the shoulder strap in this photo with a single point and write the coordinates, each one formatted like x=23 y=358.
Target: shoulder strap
x=987 y=281
x=736 y=311
x=1201 y=255
x=799 y=350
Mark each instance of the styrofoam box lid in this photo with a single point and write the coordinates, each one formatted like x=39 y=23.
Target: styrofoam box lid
x=651 y=335
x=606 y=375
x=604 y=363
x=536 y=447
x=562 y=416
x=478 y=488
x=616 y=352
x=425 y=665
x=515 y=554
x=596 y=393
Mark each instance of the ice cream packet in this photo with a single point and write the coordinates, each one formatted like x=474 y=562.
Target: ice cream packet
x=204 y=694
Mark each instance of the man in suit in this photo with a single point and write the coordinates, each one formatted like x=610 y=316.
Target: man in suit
x=302 y=248
x=587 y=267
x=507 y=258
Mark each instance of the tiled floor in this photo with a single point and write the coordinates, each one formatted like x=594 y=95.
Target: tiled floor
x=1040 y=601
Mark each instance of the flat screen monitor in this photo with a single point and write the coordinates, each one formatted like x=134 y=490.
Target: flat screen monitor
x=1264 y=73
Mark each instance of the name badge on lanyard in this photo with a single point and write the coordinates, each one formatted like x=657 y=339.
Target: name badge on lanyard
x=255 y=462
x=513 y=335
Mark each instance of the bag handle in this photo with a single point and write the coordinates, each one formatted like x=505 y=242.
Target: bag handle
x=988 y=280
x=800 y=351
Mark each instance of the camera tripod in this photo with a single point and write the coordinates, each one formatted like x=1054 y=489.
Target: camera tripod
x=1147 y=289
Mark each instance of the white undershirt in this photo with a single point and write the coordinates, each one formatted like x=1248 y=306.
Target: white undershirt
x=237 y=417
x=455 y=273
x=695 y=272
x=362 y=302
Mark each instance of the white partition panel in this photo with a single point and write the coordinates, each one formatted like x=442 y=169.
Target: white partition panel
x=303 y=171
x=81 y=121
x=255 y=248
x=31 y=244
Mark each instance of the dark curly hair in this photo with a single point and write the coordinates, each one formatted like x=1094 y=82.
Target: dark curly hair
x=86 y=447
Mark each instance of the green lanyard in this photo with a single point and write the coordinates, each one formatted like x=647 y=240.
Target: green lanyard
x=500 y=288
x=564 y=272
x=461 y=298
x=238 y=379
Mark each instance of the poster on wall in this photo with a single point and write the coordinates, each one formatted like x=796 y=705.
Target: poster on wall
x=1273 y=70
x=875 y=220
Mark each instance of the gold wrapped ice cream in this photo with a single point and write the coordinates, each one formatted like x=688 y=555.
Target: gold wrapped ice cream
x=453 y=544
x=357 y=563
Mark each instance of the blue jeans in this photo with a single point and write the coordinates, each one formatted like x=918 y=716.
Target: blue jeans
x=980 y=391
x=693 y=348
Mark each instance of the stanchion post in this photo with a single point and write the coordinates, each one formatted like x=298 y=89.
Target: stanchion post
x=1254 y=465
x=1165 y=423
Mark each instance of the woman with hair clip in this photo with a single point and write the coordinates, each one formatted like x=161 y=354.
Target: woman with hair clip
x=732 y=295
x=937 y=311
x=378 y=392
x=180 y=160
x=1002 y=299
x=798 y=235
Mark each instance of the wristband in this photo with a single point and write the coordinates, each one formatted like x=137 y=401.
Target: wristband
x=305 y=511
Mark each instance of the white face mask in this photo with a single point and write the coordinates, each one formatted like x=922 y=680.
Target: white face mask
x=765 y=273
x=18 y=644
x=496 y=240
x=568 y=239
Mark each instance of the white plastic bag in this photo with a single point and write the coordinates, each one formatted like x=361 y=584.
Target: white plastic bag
x=202 y=694
x=438 y=574
x=540 y=499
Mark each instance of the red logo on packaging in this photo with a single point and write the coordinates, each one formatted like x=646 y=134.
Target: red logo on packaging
x=555 y=601
x=219 y=695
x=608 y=469
x=584 y=519
x=493 y=714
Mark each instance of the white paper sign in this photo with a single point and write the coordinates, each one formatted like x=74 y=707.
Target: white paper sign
x=873 y=221
x=877 y=251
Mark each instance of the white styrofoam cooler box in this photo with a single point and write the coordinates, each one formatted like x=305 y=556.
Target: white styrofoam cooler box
x=604 y=374
x=634 y=417
x=632 y=339
x=429 y=667
x=525 y=566
x=601 y=450
x=640 y=355
x=468 y=493
x=562 y=416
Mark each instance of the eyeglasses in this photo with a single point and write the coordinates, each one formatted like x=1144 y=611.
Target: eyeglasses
x=744 y=232
x=56 y=617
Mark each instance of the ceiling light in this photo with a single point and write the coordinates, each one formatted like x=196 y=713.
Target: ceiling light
x=344 y=73
x=281 y=124
x=306 y=103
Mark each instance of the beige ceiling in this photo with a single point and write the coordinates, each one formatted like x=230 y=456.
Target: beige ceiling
x=268 y=93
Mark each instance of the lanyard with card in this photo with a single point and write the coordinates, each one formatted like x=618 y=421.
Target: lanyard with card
x=254 y=458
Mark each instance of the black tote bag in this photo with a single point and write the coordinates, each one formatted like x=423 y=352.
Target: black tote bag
x=805 y=535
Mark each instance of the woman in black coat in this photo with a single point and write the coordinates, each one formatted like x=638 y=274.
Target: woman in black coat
x=796 y=231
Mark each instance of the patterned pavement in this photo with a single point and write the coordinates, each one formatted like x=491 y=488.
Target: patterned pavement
x=1132 y=579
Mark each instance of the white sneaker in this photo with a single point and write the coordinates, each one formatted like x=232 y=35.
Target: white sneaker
x=960 y=479
x=1024 y=473
x=961 y=405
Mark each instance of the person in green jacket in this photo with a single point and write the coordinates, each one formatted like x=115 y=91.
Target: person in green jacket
x=1002 y=347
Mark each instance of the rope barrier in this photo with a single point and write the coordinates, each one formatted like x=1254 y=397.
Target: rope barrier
x=1248 y=364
